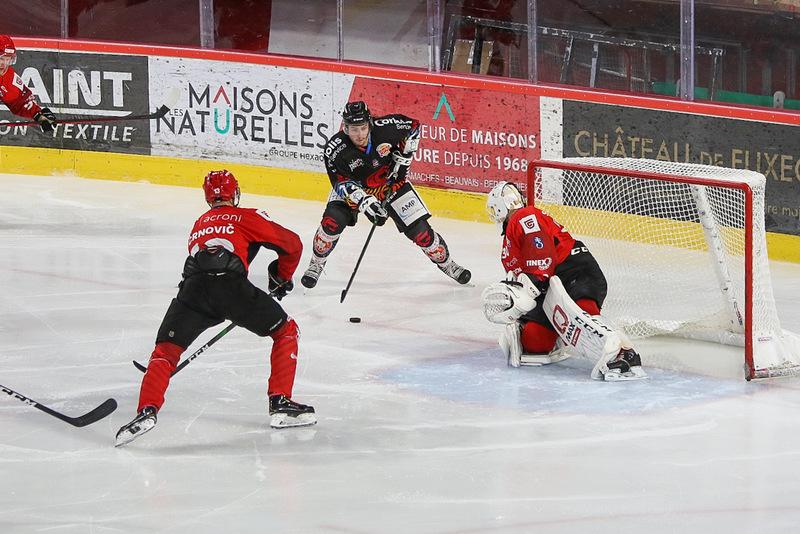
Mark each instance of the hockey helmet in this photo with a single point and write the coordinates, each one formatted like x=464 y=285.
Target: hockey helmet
x=503 y=197
x=221 y=186
x=356 y=113
x=8 y=52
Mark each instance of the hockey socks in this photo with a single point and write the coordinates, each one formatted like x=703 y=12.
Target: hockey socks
x=439 y=254
x=283 y=359
x=162 y=363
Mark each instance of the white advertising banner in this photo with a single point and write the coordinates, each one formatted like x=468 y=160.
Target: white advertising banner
x=247 y=113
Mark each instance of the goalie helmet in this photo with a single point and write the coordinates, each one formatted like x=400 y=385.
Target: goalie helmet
x=356 y=113
x=503 y=197
x=221 y=186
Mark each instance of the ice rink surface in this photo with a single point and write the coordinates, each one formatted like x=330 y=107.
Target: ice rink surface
x=422 y=426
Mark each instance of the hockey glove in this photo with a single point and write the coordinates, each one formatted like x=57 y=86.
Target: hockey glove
x=46 y=120
x=373 y=209
x=278 y=287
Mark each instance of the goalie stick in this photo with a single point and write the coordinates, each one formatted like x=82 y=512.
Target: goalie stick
x=86 y=419
x=157 y=114
x=197 y=353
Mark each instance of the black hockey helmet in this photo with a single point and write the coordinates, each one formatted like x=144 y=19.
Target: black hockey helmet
x=356 y=113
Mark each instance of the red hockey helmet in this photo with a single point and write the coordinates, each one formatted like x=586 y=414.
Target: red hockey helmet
x=8 y=53
x=221 y=186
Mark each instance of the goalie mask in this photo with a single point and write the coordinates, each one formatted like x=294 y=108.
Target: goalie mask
x=221 y=186
x=503 y=197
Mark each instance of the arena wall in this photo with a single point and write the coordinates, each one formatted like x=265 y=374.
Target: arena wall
x=267 y=118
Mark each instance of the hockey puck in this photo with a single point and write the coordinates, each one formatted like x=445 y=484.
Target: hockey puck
x=355 y=319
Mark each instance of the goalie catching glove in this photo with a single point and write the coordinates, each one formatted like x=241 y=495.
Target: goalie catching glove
x=506 y=301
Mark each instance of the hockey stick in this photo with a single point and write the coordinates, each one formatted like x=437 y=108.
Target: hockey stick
x=386 y=200
x=157 y=114
x=87 y=419
x=197 y=353
x=355 y=269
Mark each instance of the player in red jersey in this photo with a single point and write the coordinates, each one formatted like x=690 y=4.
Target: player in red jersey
x=222 y=244
x=15 y=94
x=554 y=291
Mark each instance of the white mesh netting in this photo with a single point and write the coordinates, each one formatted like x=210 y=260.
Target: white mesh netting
x=673 y=252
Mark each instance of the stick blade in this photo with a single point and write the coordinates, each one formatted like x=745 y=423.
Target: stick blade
x=344 y=294
x=139 y=366
x=105 y=409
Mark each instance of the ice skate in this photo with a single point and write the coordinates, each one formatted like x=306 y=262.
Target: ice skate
x=627 y=365
x=285 y=413
x=455 y=271
x=312 y=274
x=142 y=423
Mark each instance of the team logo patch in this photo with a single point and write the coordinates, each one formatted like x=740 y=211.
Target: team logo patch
x=529 y=224
x=384 y=149
x=537 y=242
x=376 y=163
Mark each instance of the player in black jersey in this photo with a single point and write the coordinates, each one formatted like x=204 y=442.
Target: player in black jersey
x=367 y=164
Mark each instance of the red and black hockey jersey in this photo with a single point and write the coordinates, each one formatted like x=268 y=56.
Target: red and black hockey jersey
x=243 y=231
x=370 y=168
x=534 y=243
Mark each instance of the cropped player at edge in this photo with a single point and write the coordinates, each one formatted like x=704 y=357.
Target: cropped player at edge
x=551 y=298
x=222 y=244
x=367 y=165
x=15 y=94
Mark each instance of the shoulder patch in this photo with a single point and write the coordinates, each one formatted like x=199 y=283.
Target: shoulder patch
x=529 y=224
x=263 y=214
x=17 y=82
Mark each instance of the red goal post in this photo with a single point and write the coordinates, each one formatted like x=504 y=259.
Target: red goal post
x=682 y=245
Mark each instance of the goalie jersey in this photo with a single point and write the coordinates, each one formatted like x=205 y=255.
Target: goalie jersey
x=535 y=243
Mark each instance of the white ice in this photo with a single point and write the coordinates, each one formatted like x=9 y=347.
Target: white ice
x=422 y=426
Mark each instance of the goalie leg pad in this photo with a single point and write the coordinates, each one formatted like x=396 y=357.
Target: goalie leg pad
x=512 y=347
x=510 y=344
x=590 y=335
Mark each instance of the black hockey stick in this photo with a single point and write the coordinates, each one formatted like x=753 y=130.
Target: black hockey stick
x=157 y=114
x=87 y=419
x=355 y=269
x=197 y=353
x=386 y=200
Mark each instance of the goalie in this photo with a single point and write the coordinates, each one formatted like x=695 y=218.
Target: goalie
x=550 y=301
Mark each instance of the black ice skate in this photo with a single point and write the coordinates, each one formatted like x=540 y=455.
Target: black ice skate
x=284 y=413
x=455 y=271
x=142 y=423
x=311 y=276
x=627 y=365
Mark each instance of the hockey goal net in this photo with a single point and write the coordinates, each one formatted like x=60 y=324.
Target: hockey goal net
x=683 y=248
